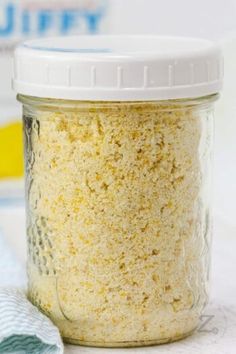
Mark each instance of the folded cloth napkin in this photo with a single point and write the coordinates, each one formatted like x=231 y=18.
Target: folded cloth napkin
x=23 y=329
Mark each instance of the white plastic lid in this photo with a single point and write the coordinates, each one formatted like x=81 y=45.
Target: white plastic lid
x=118 y=68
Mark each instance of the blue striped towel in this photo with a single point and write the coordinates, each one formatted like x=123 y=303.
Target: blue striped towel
x=23 y=329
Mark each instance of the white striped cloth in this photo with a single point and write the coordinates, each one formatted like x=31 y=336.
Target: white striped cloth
x=23 y=329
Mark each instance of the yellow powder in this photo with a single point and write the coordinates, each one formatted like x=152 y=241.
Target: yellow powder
x=117 y=226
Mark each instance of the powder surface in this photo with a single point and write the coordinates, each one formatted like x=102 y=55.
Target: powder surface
x=118 y=222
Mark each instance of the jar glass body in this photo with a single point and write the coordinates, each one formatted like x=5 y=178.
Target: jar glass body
x=118 y=217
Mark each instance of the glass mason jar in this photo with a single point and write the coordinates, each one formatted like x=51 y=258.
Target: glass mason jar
x=118 y=208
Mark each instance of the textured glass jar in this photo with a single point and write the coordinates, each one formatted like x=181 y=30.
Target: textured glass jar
x=118 y=217
x=118 y=144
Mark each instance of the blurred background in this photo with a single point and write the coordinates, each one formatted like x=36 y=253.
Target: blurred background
x=24 y=19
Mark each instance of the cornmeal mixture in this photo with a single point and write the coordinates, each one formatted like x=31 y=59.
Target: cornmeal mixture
x=117 y=228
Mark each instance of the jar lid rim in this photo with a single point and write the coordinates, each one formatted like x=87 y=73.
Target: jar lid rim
x=118 y=68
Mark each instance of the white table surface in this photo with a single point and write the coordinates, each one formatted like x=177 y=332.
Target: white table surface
x=218 y=332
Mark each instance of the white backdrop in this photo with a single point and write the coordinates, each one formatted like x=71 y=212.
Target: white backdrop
x=205 y=18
